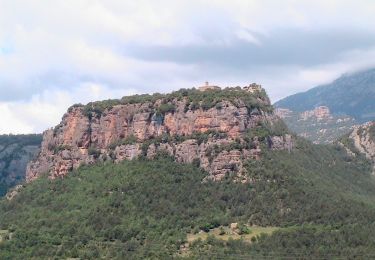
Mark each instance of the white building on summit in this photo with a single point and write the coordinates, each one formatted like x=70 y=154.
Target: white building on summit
x=207 y=86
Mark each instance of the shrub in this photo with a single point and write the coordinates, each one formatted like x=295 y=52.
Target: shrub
x=166 y=108
x=94 y=152
x=243 y=229
x=131 y=139
x=222 y=231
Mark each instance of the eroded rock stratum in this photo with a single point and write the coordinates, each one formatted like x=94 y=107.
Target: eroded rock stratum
x=215 y=129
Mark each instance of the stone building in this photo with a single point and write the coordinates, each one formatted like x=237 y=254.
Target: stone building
x=207 y=86
x=253 y=87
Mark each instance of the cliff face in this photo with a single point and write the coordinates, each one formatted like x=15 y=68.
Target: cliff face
x=210 y=130
x=363 y=137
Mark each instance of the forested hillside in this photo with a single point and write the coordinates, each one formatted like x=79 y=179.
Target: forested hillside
x=15 y=152
x=320 y=201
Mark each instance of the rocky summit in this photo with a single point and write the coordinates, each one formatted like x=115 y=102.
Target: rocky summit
x=216 y=129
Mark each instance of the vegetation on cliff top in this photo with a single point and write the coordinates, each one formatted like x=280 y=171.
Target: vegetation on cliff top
x=194 y=98
x=145 y=209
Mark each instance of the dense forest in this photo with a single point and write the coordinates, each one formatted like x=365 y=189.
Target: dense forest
x=321 y=201
x=15 y=152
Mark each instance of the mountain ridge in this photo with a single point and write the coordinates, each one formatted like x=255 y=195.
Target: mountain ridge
x=351 y=94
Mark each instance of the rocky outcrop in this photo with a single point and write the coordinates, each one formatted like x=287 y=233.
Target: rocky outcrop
x=320 y=113
x=363 y=137
x=13 y=192
x=317 y=125
x=211 y=137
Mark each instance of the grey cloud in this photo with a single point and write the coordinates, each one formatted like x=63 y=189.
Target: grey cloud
x=280 y=48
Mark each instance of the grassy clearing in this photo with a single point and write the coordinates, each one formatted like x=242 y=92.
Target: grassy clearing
x=226 y=233
x=3 y=235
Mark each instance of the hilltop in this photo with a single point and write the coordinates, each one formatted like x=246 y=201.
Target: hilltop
x=216 y=129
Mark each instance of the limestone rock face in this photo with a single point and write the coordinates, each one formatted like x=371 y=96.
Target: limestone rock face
x=284 y=142
x=84 y=138
x=363 y=137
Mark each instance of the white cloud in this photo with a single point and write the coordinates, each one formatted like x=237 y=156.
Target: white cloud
x=45 y=110
x=247 y=36
x=304 y=78
x=55 y=53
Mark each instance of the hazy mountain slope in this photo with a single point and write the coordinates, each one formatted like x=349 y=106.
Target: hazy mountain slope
x=317 y=126
x=15 y=152
x=351 y=94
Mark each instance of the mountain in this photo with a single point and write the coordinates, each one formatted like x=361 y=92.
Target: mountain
x=351 y=94
x=193 y=174
x=210 y=128
x=325 y=113
x=15 y=152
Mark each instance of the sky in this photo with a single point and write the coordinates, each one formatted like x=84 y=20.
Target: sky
x=57 y=53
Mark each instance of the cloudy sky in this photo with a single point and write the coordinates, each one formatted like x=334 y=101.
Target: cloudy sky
x=56 y=53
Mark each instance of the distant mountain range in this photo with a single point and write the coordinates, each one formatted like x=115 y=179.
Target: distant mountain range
x=351 y=94
x=324 y=113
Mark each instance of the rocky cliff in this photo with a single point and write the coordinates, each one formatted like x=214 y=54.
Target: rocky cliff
x=363 y=139
x=215 y=129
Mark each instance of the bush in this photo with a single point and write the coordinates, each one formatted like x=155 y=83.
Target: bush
x=131 y=139
x=243 y=230
x=166 y=108
x=94 y=152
